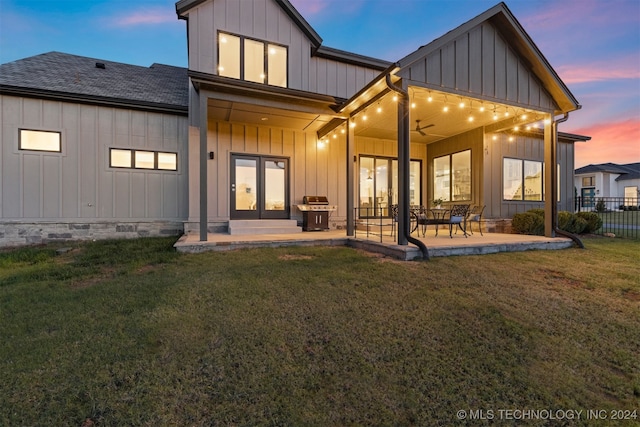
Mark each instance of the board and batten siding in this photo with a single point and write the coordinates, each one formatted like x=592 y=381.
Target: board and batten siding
x=523 y=147
x=481 y=63
x=78 y=184
x=265 y=20
x=313 y=169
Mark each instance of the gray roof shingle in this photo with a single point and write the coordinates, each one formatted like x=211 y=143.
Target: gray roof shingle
x=627 y=171
x=59 y=74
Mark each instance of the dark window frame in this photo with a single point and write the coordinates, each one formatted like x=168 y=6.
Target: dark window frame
x=265 y=45
x=41 y=131
x=133 y=159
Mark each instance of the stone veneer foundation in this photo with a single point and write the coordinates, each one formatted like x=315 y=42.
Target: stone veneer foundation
x=32 y=233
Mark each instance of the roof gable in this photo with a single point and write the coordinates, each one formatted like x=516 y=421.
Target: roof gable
x=183 y=6
x=492 y=44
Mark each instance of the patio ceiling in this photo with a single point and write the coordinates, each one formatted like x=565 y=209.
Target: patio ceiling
x=239 y=112
x=379 y=118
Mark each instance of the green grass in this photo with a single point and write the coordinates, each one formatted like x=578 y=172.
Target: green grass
x=131 y=333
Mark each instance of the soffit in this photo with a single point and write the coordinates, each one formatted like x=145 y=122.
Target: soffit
x=240 y=112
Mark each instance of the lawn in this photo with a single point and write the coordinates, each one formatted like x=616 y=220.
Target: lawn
x=131 y=333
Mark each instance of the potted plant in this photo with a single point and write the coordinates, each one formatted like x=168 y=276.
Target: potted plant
x=437 y=202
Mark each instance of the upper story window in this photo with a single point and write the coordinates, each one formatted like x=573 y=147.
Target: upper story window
x=37 y=140
x=588 y=181
x=252 y=60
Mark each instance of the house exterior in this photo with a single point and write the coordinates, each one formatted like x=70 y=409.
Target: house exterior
x=266 y=115
x=616 y=184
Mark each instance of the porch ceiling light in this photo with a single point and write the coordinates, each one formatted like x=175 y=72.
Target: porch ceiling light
x=429 y=98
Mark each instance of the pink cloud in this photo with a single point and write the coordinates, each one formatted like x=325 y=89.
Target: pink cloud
x=145 y=17
x=622 y=68
x=615 y=142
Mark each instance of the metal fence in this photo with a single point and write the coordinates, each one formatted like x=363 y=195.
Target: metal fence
x=620 y=215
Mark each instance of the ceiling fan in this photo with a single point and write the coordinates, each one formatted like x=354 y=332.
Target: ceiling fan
x=419 y=128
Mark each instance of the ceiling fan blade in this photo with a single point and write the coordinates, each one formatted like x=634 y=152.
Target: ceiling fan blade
x=420 y=132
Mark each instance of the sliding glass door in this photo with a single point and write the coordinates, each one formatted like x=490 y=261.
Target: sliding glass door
x=378 y=185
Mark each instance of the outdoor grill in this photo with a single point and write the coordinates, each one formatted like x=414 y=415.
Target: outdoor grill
x=315 y=213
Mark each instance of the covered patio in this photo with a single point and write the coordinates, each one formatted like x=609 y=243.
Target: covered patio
x=385 y=244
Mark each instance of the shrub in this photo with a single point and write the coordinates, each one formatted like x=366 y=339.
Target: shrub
x=537 y=211
x=528 y=223
x=571 y=223
x=594 y=222
x=601 y=206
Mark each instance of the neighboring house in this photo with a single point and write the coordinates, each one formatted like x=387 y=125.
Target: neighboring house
x=608 y=181
x=265 y=115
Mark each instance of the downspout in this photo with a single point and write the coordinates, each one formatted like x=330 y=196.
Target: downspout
x=403 y=140
x=572 y=236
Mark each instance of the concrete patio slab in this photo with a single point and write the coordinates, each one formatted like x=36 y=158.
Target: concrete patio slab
x=441 y=245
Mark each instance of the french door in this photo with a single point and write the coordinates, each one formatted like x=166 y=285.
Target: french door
x=259 y=187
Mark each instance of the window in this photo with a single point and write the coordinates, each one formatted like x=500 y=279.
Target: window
x=37 y=140
x=252 y=60
x=142 y=159
x=588 y=181
x=452 y=177
x=522 y=180
x=145 y=159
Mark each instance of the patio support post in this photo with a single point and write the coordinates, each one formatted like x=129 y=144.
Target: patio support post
x=203 y=166
x=550 y=180
x=403 y=169
x=351 y=164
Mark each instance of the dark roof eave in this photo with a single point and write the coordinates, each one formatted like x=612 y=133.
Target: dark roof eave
x=352 y=58
x=182 y=110
x=229 y=85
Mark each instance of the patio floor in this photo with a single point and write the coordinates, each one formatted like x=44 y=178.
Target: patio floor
x=441 y=245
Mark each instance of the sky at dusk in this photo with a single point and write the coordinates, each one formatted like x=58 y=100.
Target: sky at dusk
x=594 y=45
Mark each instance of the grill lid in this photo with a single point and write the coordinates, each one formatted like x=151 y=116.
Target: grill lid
x=315 y=200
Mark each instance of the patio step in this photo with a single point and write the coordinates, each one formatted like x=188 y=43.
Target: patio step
x=264 y=226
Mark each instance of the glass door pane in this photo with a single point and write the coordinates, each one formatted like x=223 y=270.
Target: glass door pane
x=366 y=186
x=382 y=187
x=246 y=184
x=275 y=181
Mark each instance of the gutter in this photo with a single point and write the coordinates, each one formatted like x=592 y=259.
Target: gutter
x=403 y=134
x=572 y=236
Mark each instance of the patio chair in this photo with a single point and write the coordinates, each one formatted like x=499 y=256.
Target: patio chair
x=458 y=216
x=475 y=215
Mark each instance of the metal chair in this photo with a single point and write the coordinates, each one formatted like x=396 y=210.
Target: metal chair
x=475 y=215
x=458 y=216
